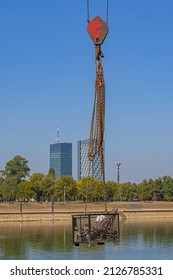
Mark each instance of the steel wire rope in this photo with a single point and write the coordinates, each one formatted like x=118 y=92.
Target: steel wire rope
x=107 y=10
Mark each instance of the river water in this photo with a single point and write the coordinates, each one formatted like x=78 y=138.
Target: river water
x=147 y=240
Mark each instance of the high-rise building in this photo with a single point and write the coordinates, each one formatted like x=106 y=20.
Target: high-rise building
x=83 y=162
x=61 y=158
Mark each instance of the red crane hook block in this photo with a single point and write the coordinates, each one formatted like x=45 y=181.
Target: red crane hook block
x=97 y=29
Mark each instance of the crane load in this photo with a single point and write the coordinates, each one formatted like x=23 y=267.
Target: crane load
x=98 y=30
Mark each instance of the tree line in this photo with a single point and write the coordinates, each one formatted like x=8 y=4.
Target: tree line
x=17 y=185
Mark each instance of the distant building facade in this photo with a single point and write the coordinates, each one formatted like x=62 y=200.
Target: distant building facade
x=83 y=162
x=61 y=159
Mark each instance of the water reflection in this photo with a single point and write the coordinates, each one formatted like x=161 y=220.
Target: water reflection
x=151 y=232
x=53 y=240
x=148 y=239
x=17 y=239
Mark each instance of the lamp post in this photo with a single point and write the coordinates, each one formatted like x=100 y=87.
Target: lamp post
x=118 y=164
x=64 y=194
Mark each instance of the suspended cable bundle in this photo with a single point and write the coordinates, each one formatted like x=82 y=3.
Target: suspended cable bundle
x=96 y=140
x=97 y=29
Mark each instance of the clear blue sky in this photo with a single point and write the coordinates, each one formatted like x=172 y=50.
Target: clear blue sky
x=47 y=75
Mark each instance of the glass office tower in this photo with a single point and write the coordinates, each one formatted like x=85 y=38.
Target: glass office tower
x=61 y=159
x=82 y=158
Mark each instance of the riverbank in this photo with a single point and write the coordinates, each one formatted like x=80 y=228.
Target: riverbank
x=62 y=211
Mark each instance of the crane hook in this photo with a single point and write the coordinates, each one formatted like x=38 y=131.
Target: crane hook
x=98 y=30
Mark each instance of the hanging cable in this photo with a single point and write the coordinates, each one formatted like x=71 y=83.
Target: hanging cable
x=88 y=11
x=107 y=11
x=96 y=140
x=97 y=29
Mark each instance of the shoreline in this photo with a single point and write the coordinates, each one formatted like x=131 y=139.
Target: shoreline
x=27 y=212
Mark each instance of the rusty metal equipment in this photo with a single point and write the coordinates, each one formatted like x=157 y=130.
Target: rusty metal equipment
x=95 y=228
x=98 y=30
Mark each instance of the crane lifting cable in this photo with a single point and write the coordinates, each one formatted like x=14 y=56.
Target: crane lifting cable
x=97 y=29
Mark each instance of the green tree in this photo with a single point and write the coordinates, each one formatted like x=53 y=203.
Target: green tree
x=159 y=189
x=1 y=195
x=145 y=190
x=17 y=167
x=51 y=173
x=85 y=188
x=91 y=189
x=99 y=191
x=1 y=177
x=113 y=189
x=133 y=192
x=65 y=187
x=48 y=186
x=36 y=180
x=9 y=188
x=25 y=191
x=58 y=190
x=167 y=188
x=124 y=191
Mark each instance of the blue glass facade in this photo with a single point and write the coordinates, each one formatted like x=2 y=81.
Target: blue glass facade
x=61 y=159
x=83 y=163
